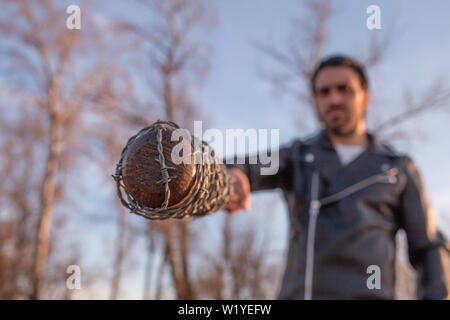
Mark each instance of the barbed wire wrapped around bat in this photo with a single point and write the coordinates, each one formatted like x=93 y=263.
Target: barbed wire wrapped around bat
x=209 y=191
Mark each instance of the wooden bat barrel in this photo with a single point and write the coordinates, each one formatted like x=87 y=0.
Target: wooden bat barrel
x=151 y=184
x=141 y=170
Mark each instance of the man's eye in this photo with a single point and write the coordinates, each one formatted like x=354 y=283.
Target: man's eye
x=343 y=88
x=324 y=91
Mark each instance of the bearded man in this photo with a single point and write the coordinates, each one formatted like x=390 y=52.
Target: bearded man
x=348 y=194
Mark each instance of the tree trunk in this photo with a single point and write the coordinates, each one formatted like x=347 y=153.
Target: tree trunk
x=149 y=263
x=120 y=254
x=184 y=244
x=47 y=201
x=170 y=257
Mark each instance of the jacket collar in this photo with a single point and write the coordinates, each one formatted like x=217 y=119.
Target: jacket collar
x=328 y=163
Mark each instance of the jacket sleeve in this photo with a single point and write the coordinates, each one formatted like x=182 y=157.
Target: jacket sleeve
x=428 y=249
x=279 y=176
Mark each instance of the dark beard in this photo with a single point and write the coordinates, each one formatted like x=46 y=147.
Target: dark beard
x=342 y=131
x=347 y=127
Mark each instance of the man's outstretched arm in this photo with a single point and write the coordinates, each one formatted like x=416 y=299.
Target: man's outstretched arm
x=428 y=249
x=251 y=177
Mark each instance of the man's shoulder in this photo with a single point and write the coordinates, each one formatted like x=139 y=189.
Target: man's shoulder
x=298 y=147
x=307 y=141
x=383 y=147
x=390 y=150
x=400 y=158
x=298 y=141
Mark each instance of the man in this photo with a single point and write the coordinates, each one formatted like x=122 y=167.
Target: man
x=348 y=194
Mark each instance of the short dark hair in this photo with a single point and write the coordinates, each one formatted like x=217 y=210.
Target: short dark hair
x=338 y=61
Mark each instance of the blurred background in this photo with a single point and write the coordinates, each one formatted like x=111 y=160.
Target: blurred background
x=71 y=98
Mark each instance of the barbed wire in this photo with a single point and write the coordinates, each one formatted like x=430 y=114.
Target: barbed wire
x=211 y=190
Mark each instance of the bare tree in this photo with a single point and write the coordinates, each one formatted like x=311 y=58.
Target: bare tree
x=435 y=98
x=177 y=61
x=49 y=58
x=303 y=50
x=242 y=268
x=305 y=47
x=17 y=198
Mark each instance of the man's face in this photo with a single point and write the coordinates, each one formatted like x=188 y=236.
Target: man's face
x=341 y=102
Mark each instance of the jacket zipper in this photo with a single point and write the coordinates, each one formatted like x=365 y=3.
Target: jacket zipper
x=314 y=208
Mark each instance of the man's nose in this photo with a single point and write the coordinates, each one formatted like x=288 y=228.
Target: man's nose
x=335 y=96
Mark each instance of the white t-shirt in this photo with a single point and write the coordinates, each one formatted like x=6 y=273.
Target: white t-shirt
x=348 y=153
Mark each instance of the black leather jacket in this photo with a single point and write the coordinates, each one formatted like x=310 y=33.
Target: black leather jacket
x=343 y=222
